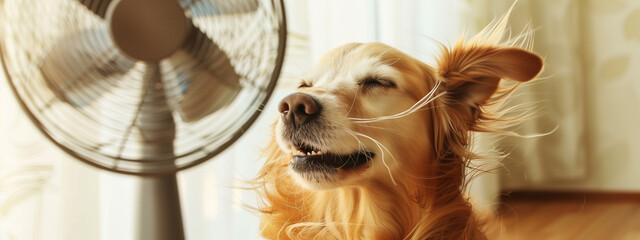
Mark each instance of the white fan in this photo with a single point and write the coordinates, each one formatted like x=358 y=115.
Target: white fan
x=144 y=87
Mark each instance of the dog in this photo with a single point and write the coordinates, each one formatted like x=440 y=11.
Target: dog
x=375 y=144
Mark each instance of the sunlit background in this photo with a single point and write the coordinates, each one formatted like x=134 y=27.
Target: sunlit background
x=582 y=181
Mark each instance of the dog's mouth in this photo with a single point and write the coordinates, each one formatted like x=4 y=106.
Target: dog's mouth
x=307 y=158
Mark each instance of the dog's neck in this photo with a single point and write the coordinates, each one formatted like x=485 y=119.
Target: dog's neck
x=382 y=211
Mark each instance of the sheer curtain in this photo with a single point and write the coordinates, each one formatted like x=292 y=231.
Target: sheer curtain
x=590 y=91
x=560 y=95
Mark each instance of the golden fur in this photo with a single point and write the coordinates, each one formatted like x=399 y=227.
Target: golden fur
x=413 y=187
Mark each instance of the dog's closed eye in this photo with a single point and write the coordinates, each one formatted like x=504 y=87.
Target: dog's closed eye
x=373 y=82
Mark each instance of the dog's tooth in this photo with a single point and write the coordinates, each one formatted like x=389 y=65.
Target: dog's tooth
x=313 y=153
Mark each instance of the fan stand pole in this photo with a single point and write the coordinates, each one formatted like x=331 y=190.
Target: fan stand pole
x=159 y=216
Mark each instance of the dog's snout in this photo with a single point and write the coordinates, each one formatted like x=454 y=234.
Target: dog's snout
x=298 y=108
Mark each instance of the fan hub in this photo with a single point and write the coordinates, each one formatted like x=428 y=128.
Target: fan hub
x=147 y=30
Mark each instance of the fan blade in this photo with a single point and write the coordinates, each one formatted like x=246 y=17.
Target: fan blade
x=78 y=63
x=203 y=8
x=200 y=78
x=99 y=7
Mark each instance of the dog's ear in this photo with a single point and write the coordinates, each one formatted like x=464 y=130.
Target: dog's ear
x=472 y=74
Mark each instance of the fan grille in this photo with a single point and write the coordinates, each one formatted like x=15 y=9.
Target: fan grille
x=108 y=109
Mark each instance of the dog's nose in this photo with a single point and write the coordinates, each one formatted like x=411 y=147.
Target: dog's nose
x=298 y=108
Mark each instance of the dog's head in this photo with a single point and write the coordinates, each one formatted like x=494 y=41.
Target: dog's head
x=368 y=113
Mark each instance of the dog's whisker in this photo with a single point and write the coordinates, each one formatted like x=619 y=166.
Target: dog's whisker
x=361 y=145
x=382 y=150
x=405 y=113
x=428 y=98
x=355 y=95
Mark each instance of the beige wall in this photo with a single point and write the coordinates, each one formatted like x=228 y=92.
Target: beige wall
x=610 y=47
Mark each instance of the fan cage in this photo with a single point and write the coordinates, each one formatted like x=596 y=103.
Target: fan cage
x=88 y=123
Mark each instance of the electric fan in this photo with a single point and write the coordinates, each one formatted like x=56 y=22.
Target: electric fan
x=144 y=87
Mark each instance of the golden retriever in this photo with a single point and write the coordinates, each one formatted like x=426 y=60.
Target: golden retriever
x=375 y=143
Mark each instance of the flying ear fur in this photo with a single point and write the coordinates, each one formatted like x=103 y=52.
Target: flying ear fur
x=472 y=73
